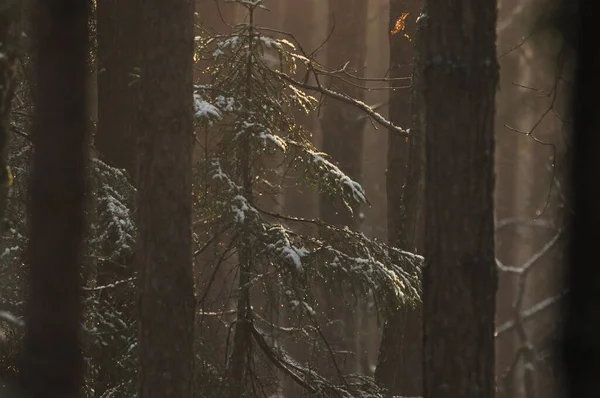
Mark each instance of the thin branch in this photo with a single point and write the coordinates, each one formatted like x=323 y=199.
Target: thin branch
x=109 y=285
x=11 y=319
x=346 y=99
x=530 y=313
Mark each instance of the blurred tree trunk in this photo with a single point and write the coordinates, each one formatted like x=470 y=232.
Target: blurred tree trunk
x=118 y=30
x=342 y=127
x=164 y=256
x=118 y=41
x=10 y=34
x=401 y=343
x=52 y=363
x=580 y=348
x=460 y=78
x=342 y=124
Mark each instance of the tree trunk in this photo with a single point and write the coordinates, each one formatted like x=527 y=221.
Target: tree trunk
x=342 y=124
x=118 y=28
x=580 y=348
x=52 y=362
x=343 y=139
x=10 y=34
x=460 y=77
x=164 y=256
x=401 y=343
x=118 y=62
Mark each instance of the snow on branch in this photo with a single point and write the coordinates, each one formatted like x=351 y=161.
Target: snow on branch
x=344 y=255
x=328 y=177
x=238 y=205
x=113 y=229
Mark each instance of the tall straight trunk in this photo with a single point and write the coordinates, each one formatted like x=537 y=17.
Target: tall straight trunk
x=52 y=362
x=342 y=124
x=118 y=62
x=580 y=349
x=401 y=343
x=342 y=127
x=164 y=256
x=460 y=77
x=118 y=30
x=10 y=34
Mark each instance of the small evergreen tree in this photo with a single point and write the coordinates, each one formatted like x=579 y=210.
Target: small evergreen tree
x=247 y=111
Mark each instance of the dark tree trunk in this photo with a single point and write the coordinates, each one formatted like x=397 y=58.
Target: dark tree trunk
x=164 y=256
x=52 y=361
x=118 y=59
x=342 y=127
x=581 y=348
x=342 y=124
x=401 y=343
x=460 y=77
x=118 y=64
x=10 y=34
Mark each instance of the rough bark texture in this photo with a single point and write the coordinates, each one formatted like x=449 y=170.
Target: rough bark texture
x=118 y=57
x=164 y=256
x=401 y=343
x=342 y=127
x=581 y=348
x=460 y=77
x=52 y=361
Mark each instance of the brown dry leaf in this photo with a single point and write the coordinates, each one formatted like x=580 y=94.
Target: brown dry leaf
x=400 y=24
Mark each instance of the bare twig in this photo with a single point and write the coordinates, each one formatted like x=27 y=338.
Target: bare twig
x=530 y=313
x=526 y=350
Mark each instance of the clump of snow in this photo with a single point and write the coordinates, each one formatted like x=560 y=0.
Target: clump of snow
x=333 y=174
x=205 y=110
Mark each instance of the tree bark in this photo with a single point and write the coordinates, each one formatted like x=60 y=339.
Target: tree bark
x=342 y=127
x=10 y=34
x=164 y=256
x=460 y=77
x=580 y=348
x=118 y=24
x=342 y=124
x=118 y=27
x=401 y=343
x=52 y=360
